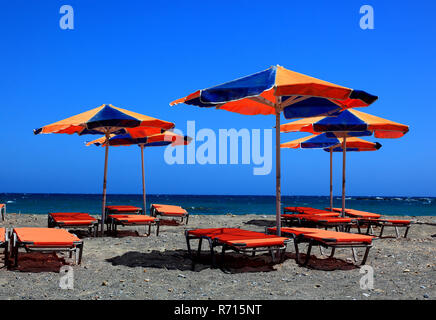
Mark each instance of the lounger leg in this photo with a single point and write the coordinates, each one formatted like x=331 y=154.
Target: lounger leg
x=6 y=255
x=212 y=253
x=297 y=253
x=187 y=219
x=80 y=253
x=353 y=250
x=254 y=252
x=188 y=244
x=157 y=228
x=366 y=255
x=396 y=232
x=381 y=231
x=407 y=230
x=333 y=252
x=149 y=230
x=15 y=256
x=306 y=261
x=199 y=247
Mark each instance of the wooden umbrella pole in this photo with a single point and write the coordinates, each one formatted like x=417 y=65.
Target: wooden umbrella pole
x=278 y=190
x=331 y=178
x=103 y=211
x=344 y=152
x=143 y=179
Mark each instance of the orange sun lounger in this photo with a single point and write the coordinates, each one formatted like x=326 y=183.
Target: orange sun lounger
x=308 y=220
x=370 y=219
x=3 y=210
x=325 y=238
x=73 y=220
x=239 y=240
x=45 y=240
x=165 y=210
x=133 y=220
x=308 y=210
x=4 y=243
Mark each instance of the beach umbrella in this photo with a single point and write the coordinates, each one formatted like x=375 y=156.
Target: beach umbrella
x=164 y=138
x=348 y=123
x=105 y=120
x=276 y=90
x=334 y=144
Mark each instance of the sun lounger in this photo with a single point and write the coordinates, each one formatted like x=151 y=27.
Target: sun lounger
x=123 y=210
x=133 y=220
x=308 y=210
x=4 y=243
x=239 y=240
x=73 y=220
x=307 y=220
x=164 y=210
x=357 y=213
x=3 y=211
x=325 y=238
x=45 y=240
x=370 y=220
x=128 y=216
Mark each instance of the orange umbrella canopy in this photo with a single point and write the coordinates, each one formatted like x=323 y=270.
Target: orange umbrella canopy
x=324 y=142
x=153 y=140
x=257 y=94
x=103 y=120
x=349 y=121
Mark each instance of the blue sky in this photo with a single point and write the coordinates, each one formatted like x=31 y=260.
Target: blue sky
x=140 y=56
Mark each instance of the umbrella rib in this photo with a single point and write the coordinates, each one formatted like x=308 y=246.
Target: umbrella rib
x=262 y=100
x=293 y=100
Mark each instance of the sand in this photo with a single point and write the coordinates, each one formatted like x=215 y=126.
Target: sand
x=131 y=266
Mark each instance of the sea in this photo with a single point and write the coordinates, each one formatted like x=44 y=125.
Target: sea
x=43 y=203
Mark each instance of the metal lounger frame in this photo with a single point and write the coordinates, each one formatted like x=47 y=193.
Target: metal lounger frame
x=239 y=248
x=382 y=224
x=155 y=213
x=76 y=247
x=5 y=245
x=113 y=223
x=92 y=228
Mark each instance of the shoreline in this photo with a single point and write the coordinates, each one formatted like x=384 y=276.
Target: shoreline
x=158 y=267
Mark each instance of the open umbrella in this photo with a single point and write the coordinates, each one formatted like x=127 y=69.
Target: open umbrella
x=331 y=145
x=276 y=90
x=155 y=140
x=105 y=120
x=348 y=123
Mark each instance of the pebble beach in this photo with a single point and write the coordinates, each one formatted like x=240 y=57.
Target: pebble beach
x=134 y=266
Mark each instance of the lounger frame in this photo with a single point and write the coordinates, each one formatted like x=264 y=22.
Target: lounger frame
x=113 y=223
x=92 y=227
x=154 y=213
x=369 y=223
x=326 y=243
x=76 y=247
x=5 y=246
x=3 y=211
x=239 y=248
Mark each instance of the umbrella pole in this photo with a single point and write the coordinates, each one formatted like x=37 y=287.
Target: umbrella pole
x=344 y=152
x=331 y=178
x=278 y=190
x=103 y=211
x=143 y=179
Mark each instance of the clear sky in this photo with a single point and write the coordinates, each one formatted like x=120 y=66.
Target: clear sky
x=141 y=55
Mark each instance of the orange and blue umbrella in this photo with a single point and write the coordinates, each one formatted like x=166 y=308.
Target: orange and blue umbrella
x=349 y=123
x=106 y=120
x=323 y=141
x=276 y=90
x=164 y=138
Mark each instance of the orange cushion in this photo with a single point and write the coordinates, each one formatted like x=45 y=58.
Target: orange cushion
x=46 y=237
x=72 y=218
x=2 y=234
x=122 y=209
x=327 y=236
x=132 y=218
x=165 y=209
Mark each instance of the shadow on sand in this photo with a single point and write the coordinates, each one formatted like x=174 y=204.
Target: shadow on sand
x=36 y=262
x=231 y=263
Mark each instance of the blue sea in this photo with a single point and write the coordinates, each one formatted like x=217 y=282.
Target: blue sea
x=209 y=204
